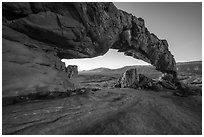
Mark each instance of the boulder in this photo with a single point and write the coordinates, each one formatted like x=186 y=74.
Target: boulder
x=168 y=77
x=168 y=84
x=129 y=79
x=148 y=83
x=168 y=81
x=156 y=86
x=72 y=71
x=145 y=82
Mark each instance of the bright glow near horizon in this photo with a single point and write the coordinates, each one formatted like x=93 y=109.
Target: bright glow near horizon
x=112 y=59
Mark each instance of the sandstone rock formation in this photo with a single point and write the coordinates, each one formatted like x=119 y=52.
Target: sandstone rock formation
x=27 y=70
x=107 y=112
x=37 y=35
x=72 y=71
x=129 y=79
x=145 y=82
x=168 y=81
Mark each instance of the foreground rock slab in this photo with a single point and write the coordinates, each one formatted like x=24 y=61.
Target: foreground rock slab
x=111 y=111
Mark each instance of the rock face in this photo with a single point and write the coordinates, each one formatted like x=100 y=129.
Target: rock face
x=145 y=82
x=129 y=79
x=167 y=81
x=72 y=71
x=27 y=70
x=37 y=35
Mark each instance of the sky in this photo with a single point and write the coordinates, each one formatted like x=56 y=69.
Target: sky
x=180 y=23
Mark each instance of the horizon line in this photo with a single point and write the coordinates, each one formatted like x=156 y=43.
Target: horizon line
x=139 y=65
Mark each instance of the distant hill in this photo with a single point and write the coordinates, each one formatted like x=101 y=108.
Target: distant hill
x=190 y=67
x=148 y=70
x=97 y=70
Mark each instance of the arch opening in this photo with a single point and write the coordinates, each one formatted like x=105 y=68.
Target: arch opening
x=113 y=62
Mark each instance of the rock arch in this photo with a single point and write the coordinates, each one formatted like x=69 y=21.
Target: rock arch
x=43 y=33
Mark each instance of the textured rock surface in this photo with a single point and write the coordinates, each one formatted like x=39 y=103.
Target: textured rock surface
x=167 y=80
x=72 y=71
x=27 y=70
x=37 y=35
x=129 y=79
x=116 y=111
x=144 y=81
x=150 y=84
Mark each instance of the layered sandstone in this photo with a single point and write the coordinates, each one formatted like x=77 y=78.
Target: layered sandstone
x=37 y=35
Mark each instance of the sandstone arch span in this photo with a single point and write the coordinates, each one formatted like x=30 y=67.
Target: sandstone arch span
x=37 y=35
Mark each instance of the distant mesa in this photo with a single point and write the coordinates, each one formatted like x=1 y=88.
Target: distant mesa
x=194 y=67
x=190 y=67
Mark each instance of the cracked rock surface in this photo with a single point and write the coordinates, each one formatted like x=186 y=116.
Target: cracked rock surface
x=37 y=35
x=111 y=111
